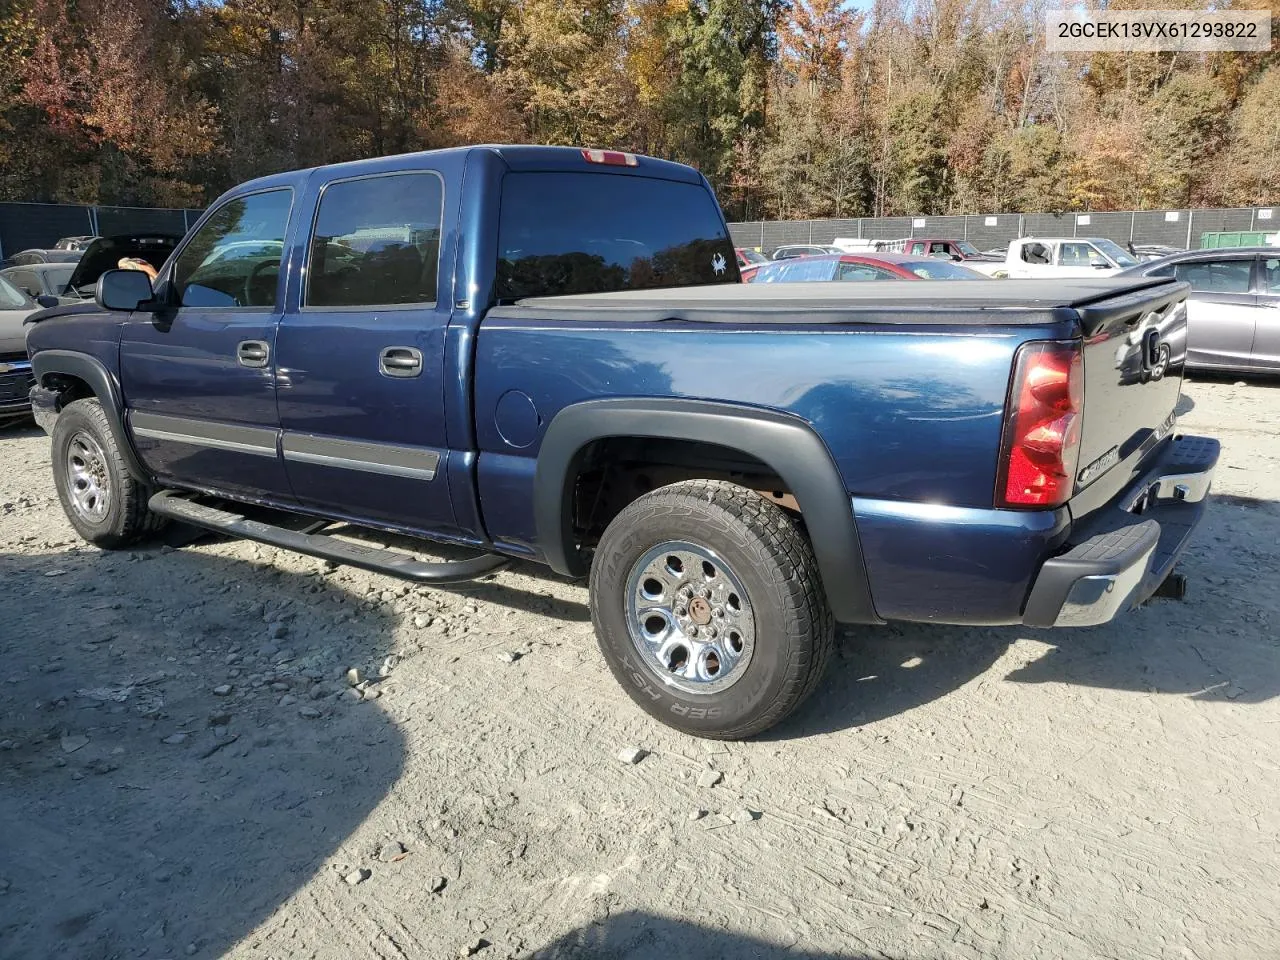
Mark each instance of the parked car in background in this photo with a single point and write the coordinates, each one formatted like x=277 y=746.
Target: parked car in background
x=858 y=266
x=1233 y=310
x=1062 y=257
x=77 y=244
x=15 y=368
x=39 y=280
x=105 y=253
x=1144 y=252
x=960 y=251
x=34 y=255
x=747 y=256
x=791 y=250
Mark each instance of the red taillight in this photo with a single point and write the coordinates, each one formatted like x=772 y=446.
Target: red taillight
x=1041 y=443
x=615 y=158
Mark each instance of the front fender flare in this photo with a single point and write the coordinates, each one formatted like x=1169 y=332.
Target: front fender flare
x=787 y=444
x=48 y=363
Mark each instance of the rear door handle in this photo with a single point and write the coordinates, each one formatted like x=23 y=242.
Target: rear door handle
x=253 y=353
x=400 y=362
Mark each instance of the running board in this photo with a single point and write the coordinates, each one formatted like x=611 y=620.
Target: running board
x=176 y=505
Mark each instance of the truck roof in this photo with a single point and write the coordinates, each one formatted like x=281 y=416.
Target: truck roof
x=521 y=157
x=885 y=301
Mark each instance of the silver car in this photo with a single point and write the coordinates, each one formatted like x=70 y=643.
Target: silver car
x=15 y=368
x=1233 y=310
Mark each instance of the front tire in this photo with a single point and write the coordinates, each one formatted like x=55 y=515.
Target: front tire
x=709 y=610
x=104 y=502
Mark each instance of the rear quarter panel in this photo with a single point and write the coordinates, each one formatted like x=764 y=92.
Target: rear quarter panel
x=910 y=414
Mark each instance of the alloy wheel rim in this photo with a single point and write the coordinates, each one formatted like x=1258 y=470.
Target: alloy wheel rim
x=690 y=618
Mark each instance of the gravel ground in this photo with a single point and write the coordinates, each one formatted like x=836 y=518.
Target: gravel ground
x=186 y=770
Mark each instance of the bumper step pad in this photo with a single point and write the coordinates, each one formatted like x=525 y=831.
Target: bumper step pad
x=178 y=505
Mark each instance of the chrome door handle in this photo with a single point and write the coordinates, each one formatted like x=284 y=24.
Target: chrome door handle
x=253 y=353
x=400 y=362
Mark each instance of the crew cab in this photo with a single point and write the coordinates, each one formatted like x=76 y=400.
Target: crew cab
x=546 y=353
x=1062 y=257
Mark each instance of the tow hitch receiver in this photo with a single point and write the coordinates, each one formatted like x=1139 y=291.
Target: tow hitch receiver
x=1174 y=587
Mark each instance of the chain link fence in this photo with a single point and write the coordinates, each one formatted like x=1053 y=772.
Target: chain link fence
x=1174 y=228
x=24 y=226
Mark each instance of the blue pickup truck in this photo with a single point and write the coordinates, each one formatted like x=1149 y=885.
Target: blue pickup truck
x=546 y=353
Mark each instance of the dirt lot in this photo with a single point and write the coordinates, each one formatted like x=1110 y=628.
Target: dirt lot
x=184 y=770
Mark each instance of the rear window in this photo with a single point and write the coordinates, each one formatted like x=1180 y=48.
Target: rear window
x=562 y=233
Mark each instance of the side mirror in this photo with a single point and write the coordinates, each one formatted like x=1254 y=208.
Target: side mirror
x=1099 y=264
x=46 y=301
x=123 y=290
x=956 y=258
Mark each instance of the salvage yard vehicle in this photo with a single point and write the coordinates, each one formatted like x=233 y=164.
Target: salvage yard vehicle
x=1061 y=257
x=1233 y=310
x=555 y=361
x=792 y=250
x=15 y=368
x=858 y=267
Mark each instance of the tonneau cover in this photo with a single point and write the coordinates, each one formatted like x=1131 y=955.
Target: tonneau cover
x=887 y=301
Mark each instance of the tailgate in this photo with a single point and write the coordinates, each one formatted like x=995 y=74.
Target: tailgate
x=1134 y=351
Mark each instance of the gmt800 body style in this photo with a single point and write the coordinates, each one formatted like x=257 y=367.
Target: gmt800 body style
x=545 y=353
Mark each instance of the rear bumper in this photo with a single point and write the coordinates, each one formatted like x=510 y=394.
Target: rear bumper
x=1123 y=553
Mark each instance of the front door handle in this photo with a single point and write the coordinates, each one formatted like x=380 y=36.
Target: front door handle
x=400 y=362
x=253 y=353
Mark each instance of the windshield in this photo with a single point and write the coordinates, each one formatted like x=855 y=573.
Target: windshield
x=942 y=270
x=563 y=233
x=11 y=298
x=59 y=277
x=753 y=256
x=1115 y=252
x=967 y=248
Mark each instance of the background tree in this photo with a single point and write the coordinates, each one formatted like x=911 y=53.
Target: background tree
x=791 y=108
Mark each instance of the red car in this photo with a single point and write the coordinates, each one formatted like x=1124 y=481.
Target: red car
x=859 y=266
x=749 y=258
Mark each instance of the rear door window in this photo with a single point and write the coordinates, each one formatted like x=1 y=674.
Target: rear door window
x=563 y=233
x=1216 y=276
x=376 y=242
x=1271 y=276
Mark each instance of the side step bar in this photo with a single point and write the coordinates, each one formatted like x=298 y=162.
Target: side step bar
x=176 y=505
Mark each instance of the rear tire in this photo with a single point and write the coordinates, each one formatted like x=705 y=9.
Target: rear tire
x=709 y=610
x=104 y=502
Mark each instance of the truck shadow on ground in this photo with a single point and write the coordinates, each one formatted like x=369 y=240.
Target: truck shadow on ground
x=642 y=936
x=1217 y=645
x=144 y=813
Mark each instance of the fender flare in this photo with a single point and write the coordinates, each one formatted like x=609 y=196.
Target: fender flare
x=92 y=371
x=787 y=444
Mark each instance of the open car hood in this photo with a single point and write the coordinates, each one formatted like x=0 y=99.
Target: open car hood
x=104 y=254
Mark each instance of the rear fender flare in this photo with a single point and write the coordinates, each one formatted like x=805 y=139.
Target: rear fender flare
x=787 y=444
x=49 y=363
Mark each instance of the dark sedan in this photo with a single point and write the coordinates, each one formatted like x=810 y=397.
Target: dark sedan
x=1233 y=311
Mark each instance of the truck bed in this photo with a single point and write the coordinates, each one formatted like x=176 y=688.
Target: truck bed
x=1004 y=302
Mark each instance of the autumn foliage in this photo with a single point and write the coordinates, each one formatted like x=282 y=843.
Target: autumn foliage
x=797 y=109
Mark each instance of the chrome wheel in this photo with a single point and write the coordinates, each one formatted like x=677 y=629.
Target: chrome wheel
x=690 y=618
x=89 y=483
